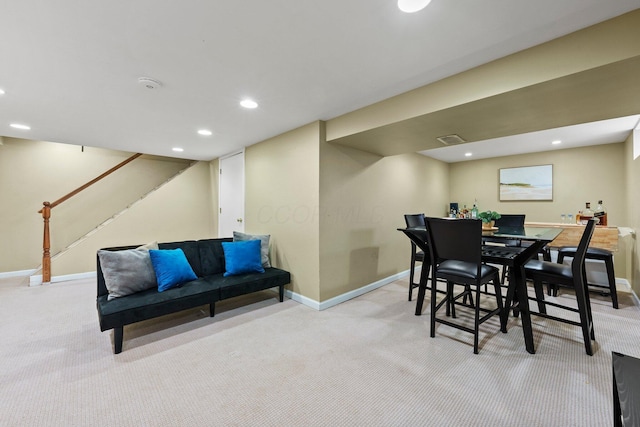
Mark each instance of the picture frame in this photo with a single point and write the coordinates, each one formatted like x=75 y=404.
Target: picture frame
x=526 y=183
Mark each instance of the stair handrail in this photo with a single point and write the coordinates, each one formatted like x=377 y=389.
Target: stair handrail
x=46 y=215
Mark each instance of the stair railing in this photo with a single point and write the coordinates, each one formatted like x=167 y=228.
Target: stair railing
x=46 y=215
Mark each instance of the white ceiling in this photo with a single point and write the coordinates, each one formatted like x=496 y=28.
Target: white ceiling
x=595 y=133
x=70 y=68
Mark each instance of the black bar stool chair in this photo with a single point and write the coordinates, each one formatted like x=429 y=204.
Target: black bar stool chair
x=572 y=276
x=456 y=257
x=594 y=254
x=415 y=220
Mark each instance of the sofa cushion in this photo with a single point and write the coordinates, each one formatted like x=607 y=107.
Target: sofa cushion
x=264 y=244
x=242 y=284
x=242 y=257
x=151 y=303
x=212 y=255
x=171 y=268
x=126 y=272
x=190 y=249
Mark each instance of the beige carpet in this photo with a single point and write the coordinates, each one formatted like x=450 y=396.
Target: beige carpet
x=366 y=362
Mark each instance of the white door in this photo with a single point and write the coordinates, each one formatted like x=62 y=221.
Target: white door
x=231 y=195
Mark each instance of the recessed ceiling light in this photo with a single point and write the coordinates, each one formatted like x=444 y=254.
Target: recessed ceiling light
x=411 y=6
x=249 y=103
x=205 y=132
x=19 y=126
x=1 y=91
x=468 y=154
x=556 y=142
x=178 y=149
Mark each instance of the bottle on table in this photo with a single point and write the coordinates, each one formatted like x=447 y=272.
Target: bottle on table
x=600 y=214
x=474 y=210
x=587 y=214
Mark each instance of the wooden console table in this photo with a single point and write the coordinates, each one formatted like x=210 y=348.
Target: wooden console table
x=603 y=237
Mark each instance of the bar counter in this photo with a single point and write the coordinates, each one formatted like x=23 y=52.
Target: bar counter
x=603 y=237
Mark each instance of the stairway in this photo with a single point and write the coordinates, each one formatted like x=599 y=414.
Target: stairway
x=36 y=277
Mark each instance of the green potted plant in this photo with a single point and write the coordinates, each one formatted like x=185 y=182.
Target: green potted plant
x=488 y=218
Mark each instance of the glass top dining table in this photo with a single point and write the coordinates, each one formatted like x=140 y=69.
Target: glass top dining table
x=534 y=233
x=515 y=258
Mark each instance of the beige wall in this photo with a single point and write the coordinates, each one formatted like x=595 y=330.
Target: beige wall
x=179 y=210
x=281 y=187
x=579 y=175
x=34 y=171
x=363 y=198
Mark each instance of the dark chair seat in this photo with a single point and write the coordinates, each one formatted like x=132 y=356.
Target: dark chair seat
x=593 y=253
x=597 y=254
x=551 y=269
x=571 y=276
x=454 y=269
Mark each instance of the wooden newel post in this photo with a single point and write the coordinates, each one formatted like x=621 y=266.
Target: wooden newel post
x=46 y=245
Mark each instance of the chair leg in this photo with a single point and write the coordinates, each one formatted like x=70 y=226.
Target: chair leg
x=537 y=286
x=433 y=306
x=451 y=307
x=476 y=321
x=553 y=289
x=585 y=322
x=412 y=272
x=469 y=296
x=498 y=291
x=560 y=258
x=422 y=289
x=590 y=315
x=611 y=277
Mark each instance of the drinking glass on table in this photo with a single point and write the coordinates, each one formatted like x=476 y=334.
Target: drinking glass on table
x=570 y=217
x=563 y=218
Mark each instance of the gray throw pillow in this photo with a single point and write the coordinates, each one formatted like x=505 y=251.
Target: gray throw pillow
x=264 y=245
x=126 y=272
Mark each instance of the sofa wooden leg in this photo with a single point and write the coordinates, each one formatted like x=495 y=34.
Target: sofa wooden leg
x=117 y=340
x=212 y=309
x=281 y=293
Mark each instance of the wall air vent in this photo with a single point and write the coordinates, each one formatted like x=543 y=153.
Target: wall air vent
x=451 y=139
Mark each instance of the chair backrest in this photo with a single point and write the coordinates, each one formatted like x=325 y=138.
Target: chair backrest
x=456 y=239
x=510 y=220
x=509 y=223
x=414 y=220
x=577 y=265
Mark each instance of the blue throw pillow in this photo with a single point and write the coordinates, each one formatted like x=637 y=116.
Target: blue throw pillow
x=242 y=257
x=171 y=268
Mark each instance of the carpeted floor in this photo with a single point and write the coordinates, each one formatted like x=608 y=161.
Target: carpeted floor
x=366 y=362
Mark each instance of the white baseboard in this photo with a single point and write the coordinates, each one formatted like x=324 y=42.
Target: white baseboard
x=37 y=279
x=347 y=295
x=20 y=273
x=627 y=285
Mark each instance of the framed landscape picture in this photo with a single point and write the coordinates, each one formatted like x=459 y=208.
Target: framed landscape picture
x=526 y=183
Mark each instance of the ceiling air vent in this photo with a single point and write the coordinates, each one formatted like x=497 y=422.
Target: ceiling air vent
x=451 y=139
